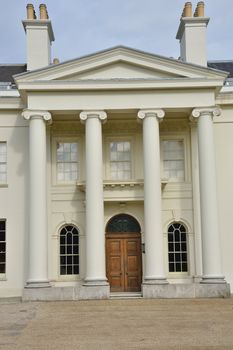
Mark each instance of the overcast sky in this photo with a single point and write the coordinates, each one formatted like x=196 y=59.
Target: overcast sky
x=85 y=26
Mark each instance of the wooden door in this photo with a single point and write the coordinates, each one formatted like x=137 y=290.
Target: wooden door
x=124 y=266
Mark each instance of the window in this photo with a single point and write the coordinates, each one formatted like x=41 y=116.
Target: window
x=120 y=160
x=2 y=246
x=123 y=223
x=67 y=161
x=173 y=160
x=3 y=162
x=177 y=248
x=69 y=250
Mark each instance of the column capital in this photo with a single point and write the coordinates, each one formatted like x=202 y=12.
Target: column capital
x=101 y=115
x=211 y=111
x=157 y=113
x=30 y=113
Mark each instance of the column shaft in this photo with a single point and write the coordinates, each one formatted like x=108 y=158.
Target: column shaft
x=154 y=252
x=211 y=256
x=95 y=233
x=38 y=235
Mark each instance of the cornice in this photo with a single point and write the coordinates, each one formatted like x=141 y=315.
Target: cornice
x=120 y=84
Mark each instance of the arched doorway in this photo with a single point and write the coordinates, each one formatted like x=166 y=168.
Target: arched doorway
x=123 y=254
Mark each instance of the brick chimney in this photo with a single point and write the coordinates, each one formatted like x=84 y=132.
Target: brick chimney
x=192 y=34
x=40 y=35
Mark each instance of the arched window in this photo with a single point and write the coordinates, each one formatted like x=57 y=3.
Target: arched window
x=69 y=250
x=123 y=223
x=177 y=248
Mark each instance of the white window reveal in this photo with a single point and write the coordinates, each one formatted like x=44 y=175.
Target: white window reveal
x=173 y=160
x=67 y=161
x=3 y=163
x=120 y=160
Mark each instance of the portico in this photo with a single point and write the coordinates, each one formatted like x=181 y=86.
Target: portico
x=94 y=162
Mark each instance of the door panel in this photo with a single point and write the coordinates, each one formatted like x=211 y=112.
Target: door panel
x=133 y=264
x=124 y=267
x=114 y=264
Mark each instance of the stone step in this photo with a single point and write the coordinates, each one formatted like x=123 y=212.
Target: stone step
x=125 y=295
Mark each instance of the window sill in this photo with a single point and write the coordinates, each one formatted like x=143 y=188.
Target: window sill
x=3 y=277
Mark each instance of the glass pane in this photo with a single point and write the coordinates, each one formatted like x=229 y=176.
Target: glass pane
x=69 y=260
x=69 y=270
x=171 y=267
x=69 y=249
x=2 y=247
x=75 y=249
x=171 y=257
x=170 y=247
x=62 y=260
x=2 y=257
x=2 y=225
x=177 y=257
x=76 y=269
x=62 y=249
x=2 y=268
x=63 y=270
x=177 y=247
x=184 y=267
x=69 y=238
x=177 y=235
x=76 y=260
x=178 y=267
x=123 y=223
x=184 y=257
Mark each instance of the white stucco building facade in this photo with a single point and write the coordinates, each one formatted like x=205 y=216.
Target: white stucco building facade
x=116 y=171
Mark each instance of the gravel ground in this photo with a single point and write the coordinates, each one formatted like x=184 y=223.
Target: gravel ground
x=117 y=324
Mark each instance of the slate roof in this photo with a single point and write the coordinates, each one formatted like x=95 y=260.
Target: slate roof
x=8 y=70
x=226 y=66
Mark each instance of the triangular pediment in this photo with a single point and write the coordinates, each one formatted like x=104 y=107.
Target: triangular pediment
x=119 y=64
x=120 y=70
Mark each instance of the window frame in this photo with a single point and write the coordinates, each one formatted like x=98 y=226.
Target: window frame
x=68 y=277
x=107 y=161
x=55 y=141
x=4 y=183
x=174 y=137
x=179 y=274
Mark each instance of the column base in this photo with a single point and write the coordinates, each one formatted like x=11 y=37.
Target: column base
x=191 y=290
x=94 y=289
x=213 y=280
x=155 y=281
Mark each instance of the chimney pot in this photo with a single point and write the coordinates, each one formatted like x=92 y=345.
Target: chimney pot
x=43 y=12
x=30 y=12
x=56 y=61
x=200 y=10
x=187 y=12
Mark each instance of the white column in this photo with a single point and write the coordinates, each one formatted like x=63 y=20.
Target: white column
x=38 y=235
x=211 y=256
x=196 y=202
x=154 y=252
x=95 y=233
